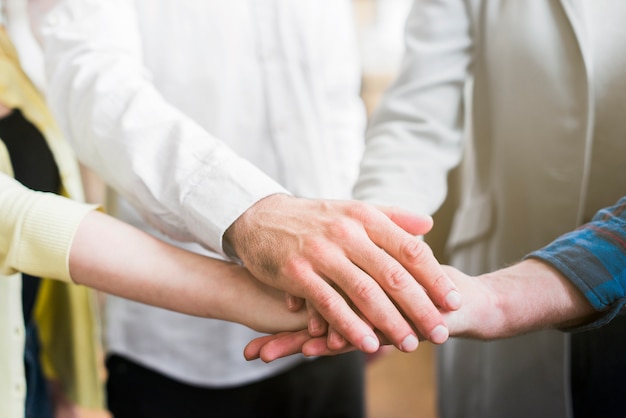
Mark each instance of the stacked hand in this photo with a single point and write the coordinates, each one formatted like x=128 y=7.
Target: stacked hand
x=477 y=305
x=528 y=296
x=360 y=268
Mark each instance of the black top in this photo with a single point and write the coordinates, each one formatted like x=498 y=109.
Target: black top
x=34 y=167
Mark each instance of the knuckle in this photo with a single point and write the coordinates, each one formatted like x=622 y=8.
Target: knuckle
x=440 y=281
x=327 y=302
x=322 y=245
x=396 y=278
x=366 y=290
x=294 y=269
x=340 y=229
x=367 y=214
x=360 y=210
x=426 y=316
x=416 y=251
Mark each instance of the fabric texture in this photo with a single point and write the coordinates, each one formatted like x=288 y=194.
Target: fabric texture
x=593 y=257
x=190 y=147
x=37 y=231
x=503 y=91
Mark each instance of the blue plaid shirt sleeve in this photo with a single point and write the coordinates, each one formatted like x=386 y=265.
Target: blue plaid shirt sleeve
x=593 y=258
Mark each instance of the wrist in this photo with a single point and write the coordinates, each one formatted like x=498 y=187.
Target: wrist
x=533 y=295
x=240 y=229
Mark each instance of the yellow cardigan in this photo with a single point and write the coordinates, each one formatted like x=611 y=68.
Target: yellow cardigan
x=36 y=232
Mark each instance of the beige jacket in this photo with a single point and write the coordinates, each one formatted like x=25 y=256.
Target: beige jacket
x=524 y=135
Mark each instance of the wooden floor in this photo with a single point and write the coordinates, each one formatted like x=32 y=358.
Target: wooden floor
x=401 y=385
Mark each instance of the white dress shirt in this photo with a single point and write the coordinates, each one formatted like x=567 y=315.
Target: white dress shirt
x=193 y=111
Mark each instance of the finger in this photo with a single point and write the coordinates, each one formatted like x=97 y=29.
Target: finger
x=416 y=257
x=318 y=347
x=253 y=348
x=409 y=273
x=294 y=303
x=335 y=341
x=412 y=223
x=316 y=324
x=335 y=309
x=369 y=298
x=408 y=294
x=283 y=345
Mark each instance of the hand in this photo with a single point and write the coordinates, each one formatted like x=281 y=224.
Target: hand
x=265 y=308
x=313 y=248
x=129 y=263
x=528 y=296
x=478 y=318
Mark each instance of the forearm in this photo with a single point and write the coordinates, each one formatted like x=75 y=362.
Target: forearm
x=129 y=263
x=593 y=258
x=532 y=295
x=37 y=230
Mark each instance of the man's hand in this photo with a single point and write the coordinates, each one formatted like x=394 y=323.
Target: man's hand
x=319 y=250
x=528 y=296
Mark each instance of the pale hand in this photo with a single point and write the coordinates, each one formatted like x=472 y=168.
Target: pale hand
x=322 y=250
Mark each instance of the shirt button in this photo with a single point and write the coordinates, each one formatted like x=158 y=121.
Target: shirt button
x=18 y=332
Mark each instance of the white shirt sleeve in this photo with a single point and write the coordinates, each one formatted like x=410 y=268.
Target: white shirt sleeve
x=415 y=136
x=183 y=180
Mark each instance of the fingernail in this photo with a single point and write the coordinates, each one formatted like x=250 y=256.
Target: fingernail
x=409 y=344
x=314 y=325
x=370 y=344
x=439 y=334
x=453 y=300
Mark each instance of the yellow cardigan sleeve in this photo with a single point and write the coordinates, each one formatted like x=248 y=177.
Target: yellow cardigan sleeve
x=36 y=233
x=36 y=230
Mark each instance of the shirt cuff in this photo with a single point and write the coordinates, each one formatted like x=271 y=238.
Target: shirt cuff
x=49 y=225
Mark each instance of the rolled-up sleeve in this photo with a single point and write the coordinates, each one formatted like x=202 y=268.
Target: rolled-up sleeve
x=593 y=258
x=36 y=230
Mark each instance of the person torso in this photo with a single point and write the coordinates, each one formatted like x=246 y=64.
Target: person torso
x=549 y=153
x=257 y=75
